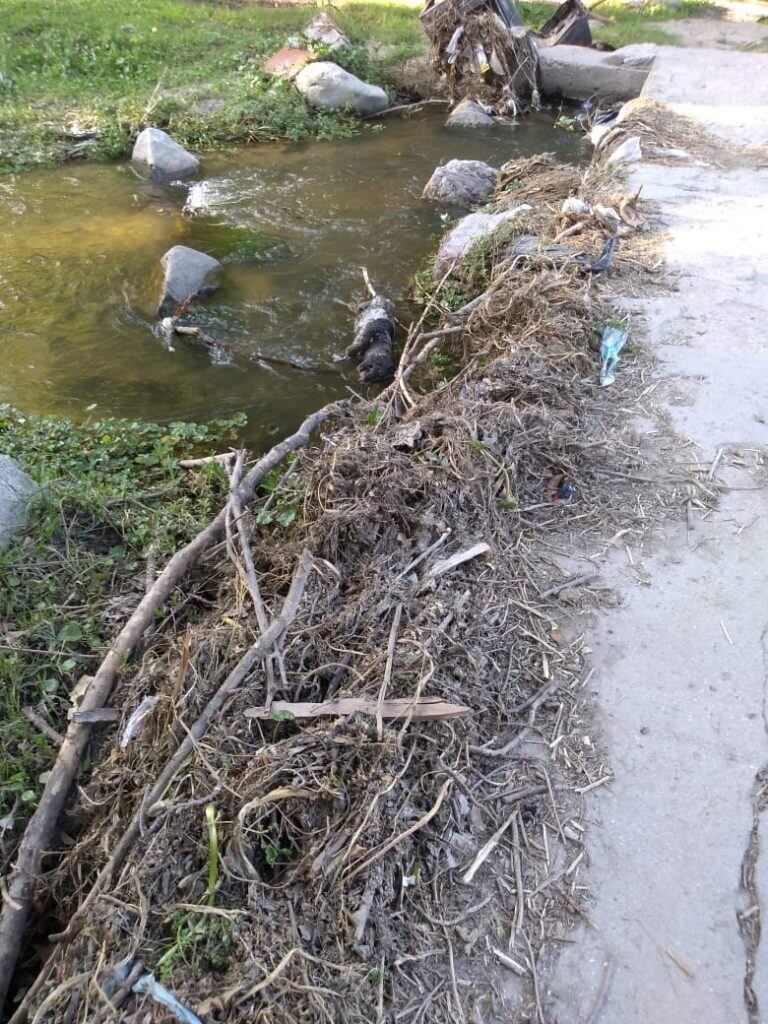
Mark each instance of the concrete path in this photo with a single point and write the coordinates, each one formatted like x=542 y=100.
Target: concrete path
x=681 y=668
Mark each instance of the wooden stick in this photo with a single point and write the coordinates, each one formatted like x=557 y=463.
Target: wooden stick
x=42 y=726
x=39 y=831
x=423 y=820
x=240 y=672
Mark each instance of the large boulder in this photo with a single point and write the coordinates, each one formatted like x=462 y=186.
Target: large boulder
x=325 y=84
x=578 y=73
x=165 y=159
x=469 y=114
x=186 y=275
x=324 y=31
x=462 y=183
x=470 y=229
x=16 y=489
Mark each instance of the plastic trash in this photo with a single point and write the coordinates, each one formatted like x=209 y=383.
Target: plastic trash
x=147 y=984
x=605 y=259
x=137 y=721
x=611 y=344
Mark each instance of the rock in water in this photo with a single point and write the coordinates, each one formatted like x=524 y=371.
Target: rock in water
x=16 y=489
x=462 y=182
x=324 y=30
x=470 y=229
x=469 y=114
x=325 y=84
x=186 y=276
x=374 y=335
x=164 y=157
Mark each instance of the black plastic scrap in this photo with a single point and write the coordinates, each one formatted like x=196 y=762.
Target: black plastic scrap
x=603 y=261
x=568 y=25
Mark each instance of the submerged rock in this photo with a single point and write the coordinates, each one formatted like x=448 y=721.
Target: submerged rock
x=163 y=156
x=186 y=276
x=325 y=84
x=469 y=114
x=16 y=489
x=324 y=30
x=460 y=239
x=462 y=182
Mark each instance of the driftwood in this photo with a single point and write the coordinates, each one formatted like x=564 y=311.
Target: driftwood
x=37 y=836
x=252 y=355
x=418 y=709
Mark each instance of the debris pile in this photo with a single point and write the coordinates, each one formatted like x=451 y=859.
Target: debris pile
x=484 y=53
x=356 y=790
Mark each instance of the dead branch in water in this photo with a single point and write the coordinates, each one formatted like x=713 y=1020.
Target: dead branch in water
x=40 y=828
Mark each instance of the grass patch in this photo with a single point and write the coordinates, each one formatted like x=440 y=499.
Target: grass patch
x=112 y=497
x=118 y=67
x=628 y=25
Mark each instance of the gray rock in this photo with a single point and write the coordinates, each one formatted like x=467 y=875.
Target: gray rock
x=469 y=114
x=324 y=30
x=579 y=73
x=460 y=239
x=163 y=156
x=187 y=274
x=16 y=489
x=462 y=182
x=325 y=84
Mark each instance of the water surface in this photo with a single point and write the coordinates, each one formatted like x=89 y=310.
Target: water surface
x=293 y=223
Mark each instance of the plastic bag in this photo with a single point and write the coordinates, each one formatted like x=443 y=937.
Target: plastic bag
x=611 y=344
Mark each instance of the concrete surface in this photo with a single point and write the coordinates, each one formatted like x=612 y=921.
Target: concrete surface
x=681 y=667
x=580 y=73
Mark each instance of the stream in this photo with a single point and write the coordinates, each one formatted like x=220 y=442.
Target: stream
x=293 y=223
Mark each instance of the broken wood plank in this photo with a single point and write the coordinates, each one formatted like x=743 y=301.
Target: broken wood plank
x=444 y=566
x=422 y=709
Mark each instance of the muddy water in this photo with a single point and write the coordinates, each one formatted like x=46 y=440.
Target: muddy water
x=79 y=252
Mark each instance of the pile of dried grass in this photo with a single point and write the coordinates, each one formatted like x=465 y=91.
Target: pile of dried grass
x=356 y=869
x=660 y=131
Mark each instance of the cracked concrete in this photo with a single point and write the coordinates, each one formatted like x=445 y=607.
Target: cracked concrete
x=680 y=671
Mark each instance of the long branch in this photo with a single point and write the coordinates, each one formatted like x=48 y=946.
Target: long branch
x=40 y=828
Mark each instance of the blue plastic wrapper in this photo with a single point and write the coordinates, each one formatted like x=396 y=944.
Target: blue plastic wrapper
x=147 y=983
x=611 y=344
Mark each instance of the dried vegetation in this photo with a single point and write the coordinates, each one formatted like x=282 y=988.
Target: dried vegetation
x=363 y=868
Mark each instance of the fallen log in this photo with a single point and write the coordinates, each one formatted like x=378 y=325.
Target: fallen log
x=25 y=874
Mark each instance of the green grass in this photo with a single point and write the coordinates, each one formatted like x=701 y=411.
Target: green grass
x=112 y=496
x=628 y=25
x=118 y=66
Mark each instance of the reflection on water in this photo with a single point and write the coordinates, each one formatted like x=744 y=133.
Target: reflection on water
x=80 y=250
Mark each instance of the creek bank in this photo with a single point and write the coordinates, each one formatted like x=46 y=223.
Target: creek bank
x=398 y=535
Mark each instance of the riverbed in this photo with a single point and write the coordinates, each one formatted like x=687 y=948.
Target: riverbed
x=292 y=223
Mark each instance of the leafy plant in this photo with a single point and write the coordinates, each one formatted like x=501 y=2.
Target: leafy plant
x=111 y=497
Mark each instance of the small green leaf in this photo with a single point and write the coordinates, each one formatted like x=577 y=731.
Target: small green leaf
x=286 y=515
x=28 y=796
x=282 y=716
x=70 y=633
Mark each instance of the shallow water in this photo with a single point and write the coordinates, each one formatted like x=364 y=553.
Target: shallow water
x=80 y=249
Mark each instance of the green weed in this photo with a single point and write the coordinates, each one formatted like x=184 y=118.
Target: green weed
x=111 y=495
